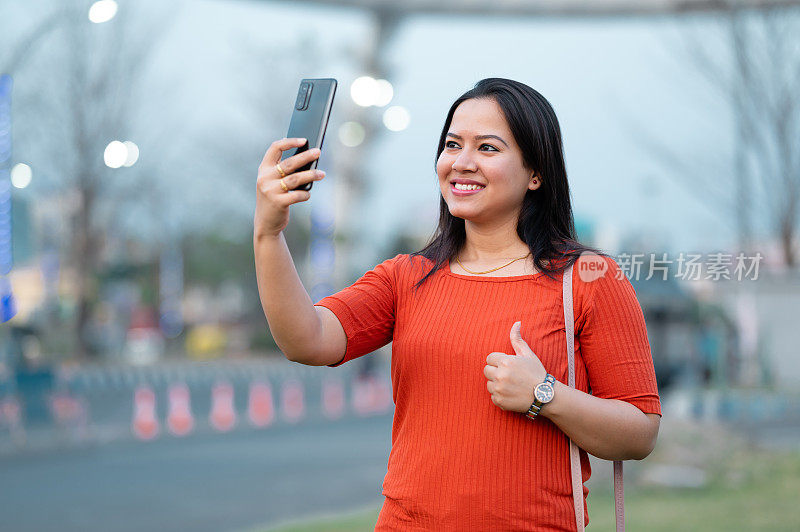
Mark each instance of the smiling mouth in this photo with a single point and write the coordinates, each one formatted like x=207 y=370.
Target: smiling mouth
x=466 y=188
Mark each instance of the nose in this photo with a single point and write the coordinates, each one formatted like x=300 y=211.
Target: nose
x=464 y=163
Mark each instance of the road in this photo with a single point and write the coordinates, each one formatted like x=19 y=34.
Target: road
x=203 y=482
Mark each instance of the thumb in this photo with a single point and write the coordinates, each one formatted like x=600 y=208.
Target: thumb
x=520 y=346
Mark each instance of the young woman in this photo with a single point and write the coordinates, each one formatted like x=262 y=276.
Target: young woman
x=472 y=338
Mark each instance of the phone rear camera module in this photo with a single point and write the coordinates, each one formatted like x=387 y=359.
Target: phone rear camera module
x=303 y=96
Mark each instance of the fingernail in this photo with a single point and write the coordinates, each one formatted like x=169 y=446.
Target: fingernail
x=300 y=139
x=321 y=173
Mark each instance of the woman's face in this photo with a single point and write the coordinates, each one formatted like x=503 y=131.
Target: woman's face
x=480 y=149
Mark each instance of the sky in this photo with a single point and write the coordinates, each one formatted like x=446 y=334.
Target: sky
x=600 y=75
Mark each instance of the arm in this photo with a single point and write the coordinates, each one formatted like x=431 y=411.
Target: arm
x=611 y=423
x=304 y=333
x=611 y=429
x=606 y=428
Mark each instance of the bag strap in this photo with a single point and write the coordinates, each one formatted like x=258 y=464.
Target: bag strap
x=574 y=456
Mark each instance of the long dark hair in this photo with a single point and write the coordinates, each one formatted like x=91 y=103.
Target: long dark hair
x=545 y=220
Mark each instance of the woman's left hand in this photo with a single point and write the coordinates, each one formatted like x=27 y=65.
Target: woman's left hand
x=511 y=378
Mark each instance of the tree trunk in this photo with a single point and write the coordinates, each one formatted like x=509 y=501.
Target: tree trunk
x=85 y=262
x=787 y=232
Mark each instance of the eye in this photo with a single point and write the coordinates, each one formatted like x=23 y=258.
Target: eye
x=449 y=142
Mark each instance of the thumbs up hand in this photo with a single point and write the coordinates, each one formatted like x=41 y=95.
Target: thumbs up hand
x=511 y=378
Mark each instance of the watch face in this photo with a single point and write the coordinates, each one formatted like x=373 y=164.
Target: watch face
x=544 y=392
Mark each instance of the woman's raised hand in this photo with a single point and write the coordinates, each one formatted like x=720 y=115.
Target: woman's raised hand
x=272 y=200
x=510 y=379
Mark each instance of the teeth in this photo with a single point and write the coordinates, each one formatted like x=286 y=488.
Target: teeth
x=460 y=186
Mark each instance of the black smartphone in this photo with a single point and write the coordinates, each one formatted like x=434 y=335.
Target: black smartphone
x=312 y=107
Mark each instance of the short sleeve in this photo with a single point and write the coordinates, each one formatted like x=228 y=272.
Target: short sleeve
x=613 y=340
x=366 y=310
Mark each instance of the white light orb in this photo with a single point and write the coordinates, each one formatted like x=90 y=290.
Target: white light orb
x=384 y=93
x=102 y=11
x=351 y=134
x=21 y=175
x=132 y=154
x=115 y=154
x=363 y=91
x=396 y=118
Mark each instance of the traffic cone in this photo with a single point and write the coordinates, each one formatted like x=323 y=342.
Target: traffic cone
x=180 y=419
x=260 y=409
x=11 y=416
x=332 y=398
x=145 y=425
x=69 y=411
x=223 y=414
x=292 y=400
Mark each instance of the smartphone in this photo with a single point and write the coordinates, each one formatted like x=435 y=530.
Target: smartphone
x=312 y=107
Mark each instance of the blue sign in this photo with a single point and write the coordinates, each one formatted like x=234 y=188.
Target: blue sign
x=7 y=305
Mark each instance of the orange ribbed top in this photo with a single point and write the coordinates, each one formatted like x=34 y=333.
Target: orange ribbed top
x=458 y=462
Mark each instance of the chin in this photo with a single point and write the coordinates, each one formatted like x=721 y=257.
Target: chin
x=466 y=214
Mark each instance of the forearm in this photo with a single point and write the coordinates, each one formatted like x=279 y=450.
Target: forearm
x=606 y=428
x=290 y=313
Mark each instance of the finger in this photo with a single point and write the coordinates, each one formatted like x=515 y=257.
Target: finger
x=490 y=387
x=494 y=358
x=299 y=160
x=300 y=178
x=490 y=372
x=496 y=401
x=273 y=154
x=293 y=196
x=521 y=347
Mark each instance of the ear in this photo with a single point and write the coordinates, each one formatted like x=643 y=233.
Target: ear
x=534 y=182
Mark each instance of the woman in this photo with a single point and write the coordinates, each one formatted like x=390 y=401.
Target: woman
x=472 y=339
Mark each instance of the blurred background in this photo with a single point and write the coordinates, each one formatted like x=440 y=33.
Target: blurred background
x=139 y=383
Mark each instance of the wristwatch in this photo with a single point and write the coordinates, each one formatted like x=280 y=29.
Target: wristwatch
x=542 y=394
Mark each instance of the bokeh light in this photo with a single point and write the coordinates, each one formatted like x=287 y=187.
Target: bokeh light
x=351 y=134
x=384 y=93
x=363 y=91
x=367 y=91
x=396 y=118
x=132 y=153
x=102 y=11
x=115 y=154
x=21 y=175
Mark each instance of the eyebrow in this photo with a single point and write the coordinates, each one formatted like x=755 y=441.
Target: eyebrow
x=478 y=137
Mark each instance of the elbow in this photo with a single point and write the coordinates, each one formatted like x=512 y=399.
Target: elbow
x=651 y=437
x=299 y=358
x=642 y=452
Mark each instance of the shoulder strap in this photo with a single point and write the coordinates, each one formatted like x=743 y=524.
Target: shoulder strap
x=574 y=456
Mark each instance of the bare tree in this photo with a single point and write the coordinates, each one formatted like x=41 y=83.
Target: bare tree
x=80 y=91
x=759 y=80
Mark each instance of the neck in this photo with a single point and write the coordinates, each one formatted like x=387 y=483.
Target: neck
x=488 y=243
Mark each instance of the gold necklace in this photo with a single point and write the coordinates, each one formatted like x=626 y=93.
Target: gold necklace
x=493 y=269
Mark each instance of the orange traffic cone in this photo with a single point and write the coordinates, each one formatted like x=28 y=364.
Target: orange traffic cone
x=180 y=419
x=292 y=400
x=260 y=409
x=145 y=424
x=223 y=414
